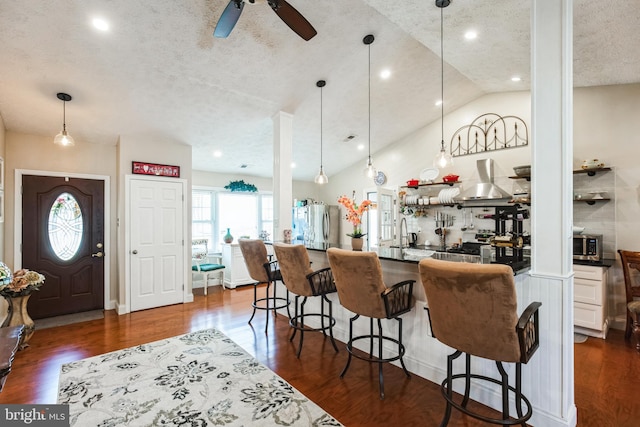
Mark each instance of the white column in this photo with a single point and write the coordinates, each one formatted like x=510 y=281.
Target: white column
x=282 y=181
x=549 y=380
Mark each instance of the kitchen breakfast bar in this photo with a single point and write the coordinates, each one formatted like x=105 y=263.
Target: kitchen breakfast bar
x=425 y=356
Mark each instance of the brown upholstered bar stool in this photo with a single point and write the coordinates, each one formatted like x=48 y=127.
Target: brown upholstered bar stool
x=303 y=282
x=264 y=271
x=361 y=290
x=472 y=308
x=631 y=269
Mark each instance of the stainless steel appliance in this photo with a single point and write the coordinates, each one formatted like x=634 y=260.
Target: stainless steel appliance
x=316 y=223
x=587 y=247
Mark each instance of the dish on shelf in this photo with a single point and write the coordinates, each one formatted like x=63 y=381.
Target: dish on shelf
x=577 y=230
x=450 y=178
x=413 y=183
x=592 y=164
x=597 y=195
x=522 y=170
x=429 y=174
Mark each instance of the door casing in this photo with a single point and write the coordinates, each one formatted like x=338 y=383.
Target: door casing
x=17 y=223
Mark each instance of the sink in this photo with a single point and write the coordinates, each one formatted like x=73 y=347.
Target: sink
x=455 y=257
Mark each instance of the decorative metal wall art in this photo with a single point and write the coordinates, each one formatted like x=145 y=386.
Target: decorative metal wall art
x=489 y=132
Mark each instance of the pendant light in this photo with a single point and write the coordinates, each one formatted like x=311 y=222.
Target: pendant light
x=369 y=170
x=63 y=138
x=321 y=178
x=443 y=159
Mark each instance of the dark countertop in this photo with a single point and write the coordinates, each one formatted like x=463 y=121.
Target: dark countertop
x=397 y=254
x=602 y=263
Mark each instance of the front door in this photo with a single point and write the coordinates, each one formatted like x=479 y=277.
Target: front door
x=63 y=238
x=157 y=251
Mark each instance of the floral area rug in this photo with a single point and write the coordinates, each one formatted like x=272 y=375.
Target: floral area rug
x=198 y=379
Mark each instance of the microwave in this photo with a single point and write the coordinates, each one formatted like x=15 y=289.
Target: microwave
x=587 y=247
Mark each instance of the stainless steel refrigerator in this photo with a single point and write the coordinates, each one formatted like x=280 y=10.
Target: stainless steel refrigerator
x=316 y=224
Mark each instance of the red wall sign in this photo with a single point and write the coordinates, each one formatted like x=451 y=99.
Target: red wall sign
x=142 y=168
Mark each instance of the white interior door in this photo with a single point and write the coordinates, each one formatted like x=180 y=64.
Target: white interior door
x=386 y=217
x=156 y=242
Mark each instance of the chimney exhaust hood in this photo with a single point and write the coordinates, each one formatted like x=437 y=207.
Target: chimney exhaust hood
x=485 y=189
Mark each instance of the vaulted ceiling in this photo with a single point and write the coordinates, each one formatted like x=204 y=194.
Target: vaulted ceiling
x=159 y=73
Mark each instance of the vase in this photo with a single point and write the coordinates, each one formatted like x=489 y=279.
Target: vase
x=228 y=238
x=17 y=315
x=356 y=243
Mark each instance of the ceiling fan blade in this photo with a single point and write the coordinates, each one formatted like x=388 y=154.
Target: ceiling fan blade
x=293 y=19
x=228 y=18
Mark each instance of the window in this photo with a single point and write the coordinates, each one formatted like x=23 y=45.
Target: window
x=65 y=226
x=244 y=214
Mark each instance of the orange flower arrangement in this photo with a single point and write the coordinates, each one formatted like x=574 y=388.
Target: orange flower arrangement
x=354 y=213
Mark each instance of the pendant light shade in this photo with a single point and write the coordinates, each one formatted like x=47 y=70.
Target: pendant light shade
x=443 y=159
x=369 y=170
x=63 y=138
x=321 y=178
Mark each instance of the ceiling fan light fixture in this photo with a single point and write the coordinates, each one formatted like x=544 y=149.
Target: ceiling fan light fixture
x=442 y=159
x=63 y=138
x=369 y=170
x=321 y=178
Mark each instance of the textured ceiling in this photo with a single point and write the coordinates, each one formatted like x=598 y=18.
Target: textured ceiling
x=159 y=72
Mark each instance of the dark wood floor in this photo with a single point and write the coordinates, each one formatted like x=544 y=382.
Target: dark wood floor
x=607 y=372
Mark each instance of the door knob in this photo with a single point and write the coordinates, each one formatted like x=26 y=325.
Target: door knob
x=99 y=245
x=135 y=252
x=97 y=255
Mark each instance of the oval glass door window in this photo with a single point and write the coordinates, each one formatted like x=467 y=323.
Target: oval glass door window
x=65 y=226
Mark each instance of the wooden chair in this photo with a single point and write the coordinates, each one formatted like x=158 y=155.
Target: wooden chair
x=302 y=281
x=201 y=267
x=472 y=309
x=265 y=272
x=361 y=290
x=631 y=269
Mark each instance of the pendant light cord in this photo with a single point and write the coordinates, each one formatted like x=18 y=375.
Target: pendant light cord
x=442 y=76
x=64 y=116
x=320 y=128
x=369 y=102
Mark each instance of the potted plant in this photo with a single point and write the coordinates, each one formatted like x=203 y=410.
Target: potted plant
x=354 y=216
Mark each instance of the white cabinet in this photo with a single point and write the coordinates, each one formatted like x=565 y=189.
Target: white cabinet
x=590 y=300
x=236 y=272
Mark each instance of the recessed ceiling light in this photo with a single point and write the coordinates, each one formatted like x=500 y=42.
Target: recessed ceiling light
x=470 y=35
x=100 y=24
x=385 y=74
x=293 y=165
x=516 y=79
x=438 y=102
x=360 y=147
x=217 y=153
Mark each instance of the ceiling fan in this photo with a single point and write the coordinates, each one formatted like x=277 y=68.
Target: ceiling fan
x=284 y=10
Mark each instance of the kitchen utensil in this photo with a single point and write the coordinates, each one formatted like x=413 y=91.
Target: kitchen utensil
x=471 y=226
x=413 y=183
x=413 y=238
x=450 y=178
x=429 y=174
x=464 y=217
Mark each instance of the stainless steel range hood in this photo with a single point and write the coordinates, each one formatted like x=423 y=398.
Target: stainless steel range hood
x=485 y=189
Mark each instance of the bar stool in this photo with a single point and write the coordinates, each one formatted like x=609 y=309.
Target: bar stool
x=472 y=308
x=302 y=281
x=361 y=290
x=264 y=271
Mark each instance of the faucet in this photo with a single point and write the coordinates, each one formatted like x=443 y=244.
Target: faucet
x=404 y=237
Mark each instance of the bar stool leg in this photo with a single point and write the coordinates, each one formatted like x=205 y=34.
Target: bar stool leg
x=449 y=387
x=467 y=380
x=304 y=300
x=349 y=345
x=505 y=391
x=255 y=299
x=401 y=347
x=380 y=376
x=331 y=322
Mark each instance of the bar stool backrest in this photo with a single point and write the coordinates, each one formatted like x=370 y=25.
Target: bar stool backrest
x=473 y=307
x=358 y=278
x=294 y=267
x=255 y=257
